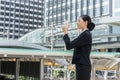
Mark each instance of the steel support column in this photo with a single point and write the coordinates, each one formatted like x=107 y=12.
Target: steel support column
x=0 y=66
x=41 y=74
x=118 y=72
x=17 y=69
x=93 y=70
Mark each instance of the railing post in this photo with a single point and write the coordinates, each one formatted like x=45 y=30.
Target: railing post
x=0 y=66
x=118 y=72
x=93 y=70
x=41 y=68
x=17 y=69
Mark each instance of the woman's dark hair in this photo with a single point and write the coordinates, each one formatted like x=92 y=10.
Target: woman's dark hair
x=90 y=24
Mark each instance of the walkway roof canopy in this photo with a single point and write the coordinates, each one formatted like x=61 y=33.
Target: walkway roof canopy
x=103 y=59
x=110 y=21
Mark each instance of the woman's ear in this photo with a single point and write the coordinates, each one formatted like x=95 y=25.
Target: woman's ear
x=86 y=22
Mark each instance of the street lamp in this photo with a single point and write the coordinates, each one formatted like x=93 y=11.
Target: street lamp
x=6 y=33
x=52 y=36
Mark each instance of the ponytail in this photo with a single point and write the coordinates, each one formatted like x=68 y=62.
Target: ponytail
x=91 y=26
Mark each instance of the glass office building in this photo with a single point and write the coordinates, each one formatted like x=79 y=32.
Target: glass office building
x=18 y=17
x=58 y=11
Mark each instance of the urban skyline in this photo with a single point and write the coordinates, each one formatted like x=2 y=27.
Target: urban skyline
x=18 y=17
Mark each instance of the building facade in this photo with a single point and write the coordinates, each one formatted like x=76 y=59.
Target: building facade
x=18 y=17
x=104 y=36
x=59 y=10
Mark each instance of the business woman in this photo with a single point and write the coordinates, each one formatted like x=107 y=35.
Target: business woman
x=82 y=47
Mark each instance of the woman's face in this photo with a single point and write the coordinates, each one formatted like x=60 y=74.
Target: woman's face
x=81 y=24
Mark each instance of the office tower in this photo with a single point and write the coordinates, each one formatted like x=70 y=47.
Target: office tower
x=59 y=10
x=18 y=17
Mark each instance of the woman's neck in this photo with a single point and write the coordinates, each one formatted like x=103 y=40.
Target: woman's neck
x=84 y=28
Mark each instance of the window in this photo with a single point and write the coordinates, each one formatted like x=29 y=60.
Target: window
x=73 y=6
x=54 y=20
x=22 y=5
x=21 y=10
x=26 y=17
x=21 y=16
x=27 y=1
x=54 y=11
x=116 y=30
x=17 y=10
x=2 y=13
x=46 y=21
x=1 y=24
x=51 y=3
x=11 y=20
x=2 y=7
x=35 y=3
x=2 y=19
x=68 y=0
x=84 y=12
x=63 y=1
x=97 y=1
x=50 y=12
x=97 y=11
x=16 y=15
x=16 y=20
x=63 y=18
x=59 y=10
x=31 y=12
x=7 y=8
x=21 y=21
x=78 y=14
x=12 y=9
x=68 y=17
x=47 y=4
x=107 y=0
x=59 y=19
x=55 y=2
x=90 y=12
x=7 y=14
x=17 y=5
x=31 y=2
x=26 y=11
x=90 y=2
x=78 y=5
x=63 y=9
x=7 y=3
x=117 y=5
x=117 y=14
x=6 y=19
x=105 y=10
x=73 y=17
x=46 y=13
x=68 y=8
x=84 y=3
x=59 y=1
x=2 y=2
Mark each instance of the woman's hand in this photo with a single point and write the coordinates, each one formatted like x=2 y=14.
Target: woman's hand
x=65 y=29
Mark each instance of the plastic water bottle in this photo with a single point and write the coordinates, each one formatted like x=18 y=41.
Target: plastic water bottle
x=65 y=23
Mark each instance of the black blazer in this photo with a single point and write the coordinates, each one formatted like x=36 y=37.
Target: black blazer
x=82 y=47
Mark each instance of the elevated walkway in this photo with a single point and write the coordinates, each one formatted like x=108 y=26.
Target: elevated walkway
x=107 y=59
x=100 y=60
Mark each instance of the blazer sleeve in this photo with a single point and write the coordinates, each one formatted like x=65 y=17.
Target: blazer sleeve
x=81 y=40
